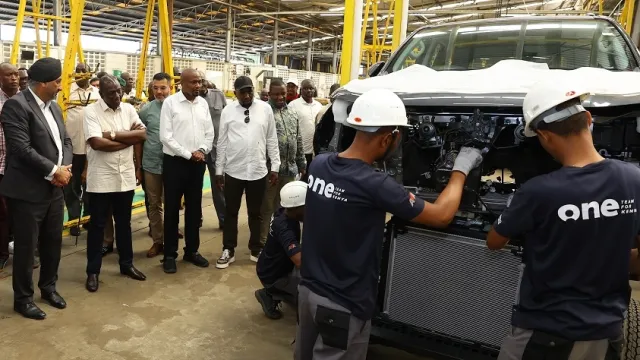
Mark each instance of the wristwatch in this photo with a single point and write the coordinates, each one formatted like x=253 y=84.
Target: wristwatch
x=113 y=135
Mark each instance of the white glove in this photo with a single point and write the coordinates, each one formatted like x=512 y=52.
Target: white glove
x=467 y=160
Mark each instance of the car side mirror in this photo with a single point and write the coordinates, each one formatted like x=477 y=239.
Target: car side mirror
x=375 y=68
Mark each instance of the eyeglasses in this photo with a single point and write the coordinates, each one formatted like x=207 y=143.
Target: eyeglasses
x=246 y=114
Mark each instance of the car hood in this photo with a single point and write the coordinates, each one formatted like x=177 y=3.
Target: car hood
x=504 y=84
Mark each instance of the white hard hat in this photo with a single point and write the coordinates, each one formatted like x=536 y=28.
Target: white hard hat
x=293 y=81
x=541 y=101
x=293 y=194
x=376 y=108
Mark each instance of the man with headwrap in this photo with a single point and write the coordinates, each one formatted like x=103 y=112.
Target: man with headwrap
x=38 y=166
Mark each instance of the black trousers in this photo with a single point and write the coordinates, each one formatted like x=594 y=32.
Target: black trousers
x=308 y=158
x=36 y=225
x=73 y=190
x=120 y=204
x=233 y=190
x=182 y=177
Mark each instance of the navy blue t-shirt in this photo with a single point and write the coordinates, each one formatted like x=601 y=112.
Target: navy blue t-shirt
x=283 y=242
x=345 y=211
x=578 y=227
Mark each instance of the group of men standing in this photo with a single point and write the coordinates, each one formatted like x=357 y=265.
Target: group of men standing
x=107 y=149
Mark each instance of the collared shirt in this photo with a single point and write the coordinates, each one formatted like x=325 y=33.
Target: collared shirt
x=109 y=171
x=243 y=147
x=75 y=117
x=3 y=143
x=152 y=152
x=289 y=141
x=185 y=126
x=55 y=131
x=307 y=114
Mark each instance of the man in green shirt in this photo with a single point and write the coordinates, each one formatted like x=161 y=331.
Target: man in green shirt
x=292 y=160
x=152 y=160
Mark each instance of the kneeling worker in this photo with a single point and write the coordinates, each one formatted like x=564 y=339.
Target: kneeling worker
x=578 y=224
x=281 y=252
x=344 y=216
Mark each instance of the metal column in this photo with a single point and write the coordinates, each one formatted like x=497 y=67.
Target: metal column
x=309 y=48
x=227 y=52
x=57 y=24
x=334 y=61
x=274 y=57
x=351 y=58
x=400 y=19
x=146 y=38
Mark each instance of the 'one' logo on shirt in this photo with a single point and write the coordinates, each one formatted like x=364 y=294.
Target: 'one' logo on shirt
x=328 y=190
x=595 y=210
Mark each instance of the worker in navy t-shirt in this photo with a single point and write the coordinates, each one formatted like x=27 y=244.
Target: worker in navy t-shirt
x=345 y=210
x=280 y=259
x=579 y=225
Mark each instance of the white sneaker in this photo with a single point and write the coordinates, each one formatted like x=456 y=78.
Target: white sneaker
x=226 y=259
x=254 y=256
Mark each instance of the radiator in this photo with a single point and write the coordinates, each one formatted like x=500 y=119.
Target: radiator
x=451 y=285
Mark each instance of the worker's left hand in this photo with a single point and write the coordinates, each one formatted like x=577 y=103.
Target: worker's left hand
x=303 y=172
x=468 y=159
x=273 y=178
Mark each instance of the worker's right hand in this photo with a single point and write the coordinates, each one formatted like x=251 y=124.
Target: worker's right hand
x=468 y=159
x=220 y=181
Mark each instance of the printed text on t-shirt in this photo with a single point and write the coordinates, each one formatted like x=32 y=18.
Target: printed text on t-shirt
x=328 y=190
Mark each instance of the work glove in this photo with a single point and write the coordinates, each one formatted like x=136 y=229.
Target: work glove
x=467 y=160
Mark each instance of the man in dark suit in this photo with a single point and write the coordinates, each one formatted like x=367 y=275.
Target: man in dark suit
x=39 y=155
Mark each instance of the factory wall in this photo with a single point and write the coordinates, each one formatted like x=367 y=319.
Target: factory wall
x=222 y=74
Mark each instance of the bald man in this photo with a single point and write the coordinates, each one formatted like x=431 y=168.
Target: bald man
x=9 y=86
x=186 y=133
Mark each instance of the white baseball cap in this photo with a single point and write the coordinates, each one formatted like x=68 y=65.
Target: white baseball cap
x=293 y=81
x=541 y=101
x=377 y=108
x=293 y=194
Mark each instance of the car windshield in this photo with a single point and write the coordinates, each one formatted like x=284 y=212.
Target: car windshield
x=561 y=44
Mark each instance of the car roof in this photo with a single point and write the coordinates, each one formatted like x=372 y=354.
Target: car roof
x=516 y=19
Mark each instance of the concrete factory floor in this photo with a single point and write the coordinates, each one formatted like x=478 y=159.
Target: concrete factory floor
x=196 y=314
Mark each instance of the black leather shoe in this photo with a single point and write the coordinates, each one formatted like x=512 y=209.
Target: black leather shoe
x=196 y=259
x=54 y=299
x=133 y=273
x=92 y=282
x=29 y=310
x=169 y=265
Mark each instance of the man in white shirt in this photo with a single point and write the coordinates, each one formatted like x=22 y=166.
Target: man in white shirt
x=247 y=129
x=84 y=93
x=186 y=133
x=307 y=108
x=112 y=129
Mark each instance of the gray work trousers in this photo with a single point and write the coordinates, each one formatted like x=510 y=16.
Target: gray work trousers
x=217 y=194
x=328 y=331
x=524 y=344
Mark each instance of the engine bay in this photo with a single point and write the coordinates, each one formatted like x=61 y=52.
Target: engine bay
x=424 y=160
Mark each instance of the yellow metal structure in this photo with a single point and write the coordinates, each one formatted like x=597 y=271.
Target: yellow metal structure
x=73 y=49
x=164 y=29
x=347 y=42
x=627 y=15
